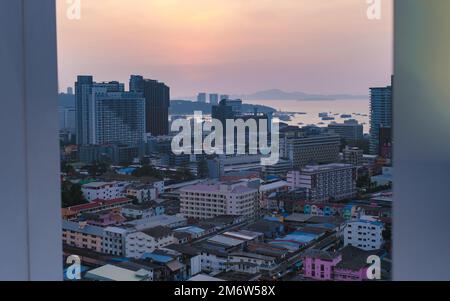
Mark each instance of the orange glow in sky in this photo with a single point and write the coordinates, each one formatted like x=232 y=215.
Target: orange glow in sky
x=229 y=46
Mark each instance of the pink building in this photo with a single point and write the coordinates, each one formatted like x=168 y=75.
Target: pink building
x=349 y=264
x=319 y=265
x=104 y=218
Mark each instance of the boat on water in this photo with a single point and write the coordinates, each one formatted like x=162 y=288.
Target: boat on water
x=321 y=115
x=345 y=116
x=328 y=118
x=284 y=117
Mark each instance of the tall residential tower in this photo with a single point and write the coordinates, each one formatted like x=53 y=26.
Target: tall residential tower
x=157 y=103
x=380 y=115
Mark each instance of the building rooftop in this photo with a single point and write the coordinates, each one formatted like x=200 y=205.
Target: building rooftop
x=191 y=230
x=219 y=188
x=312 y=230
x=243 y=234
x=297 y=217
x=97 y=204
x=158 y=232
x=159 y=220
x=94 y=185
x=237 y=276
x=326 y=167
x=141 y=206
x=369 y=220
x=355 y=259
x=267 y=249
x=203 y=277
x=273 y=185
x=158 y=257
x=113 y=273
x=226 y=241
x=186 y=249
x=252 y=255
x=319 y=254
x=181 y=235
x=337 y=220
x=82 y=227
x=264 y=226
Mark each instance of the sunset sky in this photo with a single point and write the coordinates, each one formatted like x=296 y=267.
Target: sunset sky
x=229 y=46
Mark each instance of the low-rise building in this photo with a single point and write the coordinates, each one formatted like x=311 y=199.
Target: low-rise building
x=348 y=264
x=365 y=233
x=104 y=190
x=94 y=206
x=114 y=273
x=103 y=218
x=331 y=182
x=269 y=189
x=82 y=235
x=114 y=240
x=196 y=231
x=248 y=262
x=270 y=229
x=142 y=211
x=147 y=241
x=204 y=201
x=141 y=193
x=319 y=265
x=170 y=221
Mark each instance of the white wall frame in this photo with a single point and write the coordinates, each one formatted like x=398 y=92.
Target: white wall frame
x=30 y=223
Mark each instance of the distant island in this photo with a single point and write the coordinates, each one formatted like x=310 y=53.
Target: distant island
x=277 y=94
x=187 y=107
x=177 y=107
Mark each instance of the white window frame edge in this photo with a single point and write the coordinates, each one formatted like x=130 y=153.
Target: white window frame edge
x=30 y=218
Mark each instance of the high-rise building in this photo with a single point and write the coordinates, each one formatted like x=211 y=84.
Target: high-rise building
x=214 y=99
x=136 y=83
x=224 y=97
x=332 y=182
x=116 y=117
x=223 y=111
x=232 y=110
x=67 y=117
x=350 y=130
x=110 y=154
x=303 y=149
x=157 y=103
x=201 y=97
x=380 y=114
x=385 y=142
x=83 y=89
x=83 y=94
x=204 y=201
x=236 y=105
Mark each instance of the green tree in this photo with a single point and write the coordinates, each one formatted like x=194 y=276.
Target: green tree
x=67 y=168
x=71 y=195
x=148 y=171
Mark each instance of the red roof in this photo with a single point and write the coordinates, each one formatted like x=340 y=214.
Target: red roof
x=98 y=203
